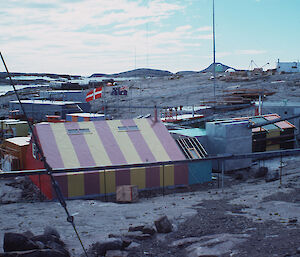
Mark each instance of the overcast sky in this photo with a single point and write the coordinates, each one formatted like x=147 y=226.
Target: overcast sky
x=107 y=36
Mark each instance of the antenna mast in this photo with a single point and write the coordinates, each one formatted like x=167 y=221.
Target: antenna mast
x=214 y=51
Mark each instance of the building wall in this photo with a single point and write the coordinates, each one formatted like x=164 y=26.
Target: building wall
x=98 y=183
x=229 y=138
x=288 y=67
x=39 y=111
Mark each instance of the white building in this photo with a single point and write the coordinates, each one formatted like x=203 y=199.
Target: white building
x=288 y=66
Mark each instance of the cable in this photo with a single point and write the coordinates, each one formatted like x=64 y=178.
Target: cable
x=55 y=185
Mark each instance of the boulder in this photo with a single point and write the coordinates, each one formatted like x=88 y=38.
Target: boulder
x=100 y=248
x=137 y=235
x=148 y=230
x=136 y=228
x=163 y=225
x=51 y=231
x=17 y=242
x=34 y=253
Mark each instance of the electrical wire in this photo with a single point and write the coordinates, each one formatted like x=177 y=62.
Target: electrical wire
x=55 y=185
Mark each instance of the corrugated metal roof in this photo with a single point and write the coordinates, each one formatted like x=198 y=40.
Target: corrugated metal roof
x=104 y=143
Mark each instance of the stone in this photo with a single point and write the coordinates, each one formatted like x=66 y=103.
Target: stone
x=34 y=253
x=272 y=176
x=137 y=235
x=185 y=241
x=148 y=230
x=163 y=225
x=45 y=239
x=116 y=253
x=136 y=228
x=100 y=248
x=17 y=242
x=51 y=231
x=261 y=172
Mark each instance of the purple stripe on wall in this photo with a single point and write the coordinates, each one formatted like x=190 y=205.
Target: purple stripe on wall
x=49 y=146
x=152 y=177
x=80 y=146
x=62 y=180
x=91 y=183
x=166 y=140
x=109 y=142
x=122 y=177
x=181 y=174
x=139 y=143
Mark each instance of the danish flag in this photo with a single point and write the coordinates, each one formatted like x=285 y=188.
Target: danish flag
x=94 y=94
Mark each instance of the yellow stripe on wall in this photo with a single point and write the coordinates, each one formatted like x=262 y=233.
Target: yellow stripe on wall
x=64 y=145
x=95 y=144
x=124 y=142
x=152 y=141
x=138 y=177
x=102 y=184
x=76 y=184
x=110 y=179
x=167 y=175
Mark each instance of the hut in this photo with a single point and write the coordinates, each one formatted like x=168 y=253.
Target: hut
x=13 y=153
x=72 y=145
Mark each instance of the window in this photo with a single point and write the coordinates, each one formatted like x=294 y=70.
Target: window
x=128 y=128
x=78 y=131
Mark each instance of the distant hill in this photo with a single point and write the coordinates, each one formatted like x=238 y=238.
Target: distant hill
x=184 y=73
x=136 y=73
x=220 y=67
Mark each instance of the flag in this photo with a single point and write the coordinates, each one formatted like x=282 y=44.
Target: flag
x=94 y=94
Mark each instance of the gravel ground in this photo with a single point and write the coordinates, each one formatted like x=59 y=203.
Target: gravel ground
x=248 y=217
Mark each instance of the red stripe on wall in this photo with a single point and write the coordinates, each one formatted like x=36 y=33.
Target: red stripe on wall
x=91 y=183
x=152 y=177
x=62 y=180
x=181 y=174
x=122 y=177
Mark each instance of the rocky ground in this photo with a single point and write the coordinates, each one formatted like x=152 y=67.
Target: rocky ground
x=248 y=217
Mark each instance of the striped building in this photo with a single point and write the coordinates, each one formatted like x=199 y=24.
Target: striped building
x=106 y=143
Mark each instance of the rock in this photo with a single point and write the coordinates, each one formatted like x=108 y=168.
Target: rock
x=185 y=241
x=17 y=242
x=34 y=253
x=261 y=172
x=100 y=248
x=148 y=230
x=45 y=239
x=133 y=245
x=272 y=176
x=51 y=231
x=116 y=253
x=136 y=228
x=138 y=235
x=163 y=225
x=28 y=234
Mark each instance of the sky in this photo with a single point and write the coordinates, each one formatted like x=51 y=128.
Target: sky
x=82 y=37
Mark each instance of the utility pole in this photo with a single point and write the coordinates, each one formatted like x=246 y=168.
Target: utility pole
x=214 y=52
